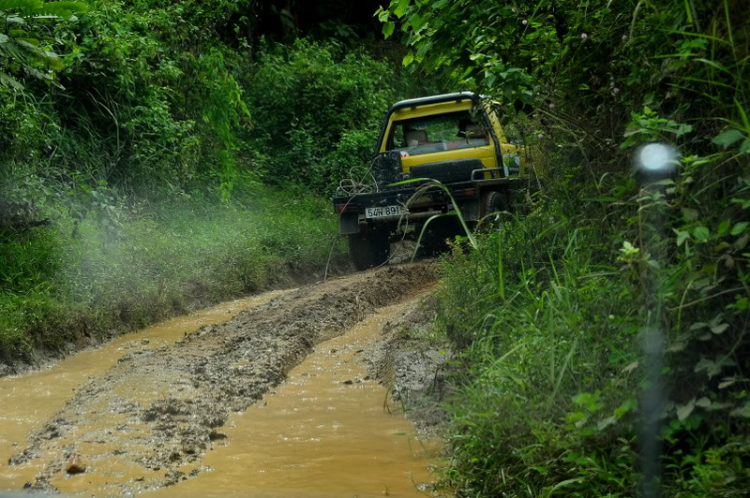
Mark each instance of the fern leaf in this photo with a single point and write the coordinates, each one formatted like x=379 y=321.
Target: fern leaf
x=63 y=9
x=21 y=7
x=9 y=81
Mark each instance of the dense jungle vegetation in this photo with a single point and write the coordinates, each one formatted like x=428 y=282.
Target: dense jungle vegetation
x=551 y=314
x=156 y=155
x=153 y=153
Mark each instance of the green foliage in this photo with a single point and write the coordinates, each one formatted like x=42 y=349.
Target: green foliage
x=25 y=44
x=549 y=313
x=167 y=95
x=317 y=111
x=163 y=113
x=136 y=102
x=649 y=127
x=544 y=342
x=108 y=266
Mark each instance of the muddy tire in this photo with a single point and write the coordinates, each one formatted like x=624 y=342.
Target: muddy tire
x=369 y=248
x=435 y=239
x=493 y=202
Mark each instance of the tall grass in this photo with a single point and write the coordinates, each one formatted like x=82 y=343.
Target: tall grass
x=65 y=282
x=548 y=316
x=538 y=330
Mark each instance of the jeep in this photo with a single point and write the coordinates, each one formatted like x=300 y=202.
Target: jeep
x=455 y=139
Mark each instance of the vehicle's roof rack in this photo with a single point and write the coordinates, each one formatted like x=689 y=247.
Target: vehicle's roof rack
x=434 y=99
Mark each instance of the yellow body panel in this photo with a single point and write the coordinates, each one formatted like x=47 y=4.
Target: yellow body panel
x=484 y=154
x=512 y=154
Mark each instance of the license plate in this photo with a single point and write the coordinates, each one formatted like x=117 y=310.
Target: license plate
x=385 y=211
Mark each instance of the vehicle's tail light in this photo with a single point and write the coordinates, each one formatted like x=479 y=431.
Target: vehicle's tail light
x=346 y=207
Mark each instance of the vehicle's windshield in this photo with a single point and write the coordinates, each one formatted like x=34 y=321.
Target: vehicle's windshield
x=442 y=132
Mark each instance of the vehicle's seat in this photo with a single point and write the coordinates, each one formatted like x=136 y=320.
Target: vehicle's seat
x=419 y=136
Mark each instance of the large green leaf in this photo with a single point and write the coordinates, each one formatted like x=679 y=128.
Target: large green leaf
x=701 y=234
x=728 y=138
x=9 y=81
x=37 y=8
x=388 y=29
x=401 y=7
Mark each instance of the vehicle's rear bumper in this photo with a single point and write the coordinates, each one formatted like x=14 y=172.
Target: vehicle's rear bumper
x=430 y=202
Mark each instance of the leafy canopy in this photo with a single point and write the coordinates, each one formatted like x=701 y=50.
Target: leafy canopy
x=25 y=44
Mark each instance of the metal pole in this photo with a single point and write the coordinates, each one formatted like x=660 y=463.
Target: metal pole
x=654 y=163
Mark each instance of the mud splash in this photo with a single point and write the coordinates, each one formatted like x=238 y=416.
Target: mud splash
x=27 y=401
x=325 y=432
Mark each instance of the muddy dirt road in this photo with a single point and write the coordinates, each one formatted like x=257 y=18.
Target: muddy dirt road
x=212 y=414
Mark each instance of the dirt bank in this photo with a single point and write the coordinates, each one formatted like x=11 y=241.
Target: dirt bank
x=412 y=364
x=149 y=421
x=83 y=333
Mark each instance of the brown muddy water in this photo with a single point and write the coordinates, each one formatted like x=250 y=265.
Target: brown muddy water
x=27 y=401
x=327 y=430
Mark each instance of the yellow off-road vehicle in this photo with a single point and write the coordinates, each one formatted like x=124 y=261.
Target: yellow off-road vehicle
x=454 y=138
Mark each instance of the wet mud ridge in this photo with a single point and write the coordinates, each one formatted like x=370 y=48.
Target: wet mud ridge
x=413 y=366
x=149 y=420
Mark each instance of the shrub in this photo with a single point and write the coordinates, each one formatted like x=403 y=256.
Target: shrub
x=317 y=110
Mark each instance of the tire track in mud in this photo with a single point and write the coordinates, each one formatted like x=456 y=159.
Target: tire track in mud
x=149 y=421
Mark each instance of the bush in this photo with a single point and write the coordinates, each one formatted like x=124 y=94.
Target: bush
x=317 y=111
x=550 y=315
x=539 y=319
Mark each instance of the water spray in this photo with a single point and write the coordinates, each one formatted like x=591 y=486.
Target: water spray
x=654 y=163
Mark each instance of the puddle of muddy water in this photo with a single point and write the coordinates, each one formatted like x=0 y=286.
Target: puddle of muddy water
x=28 y=401
x=324 y=432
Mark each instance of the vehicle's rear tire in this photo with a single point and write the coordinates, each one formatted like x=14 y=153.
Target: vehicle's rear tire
x=435 y=238
x=493 y=203
x=369 y=248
